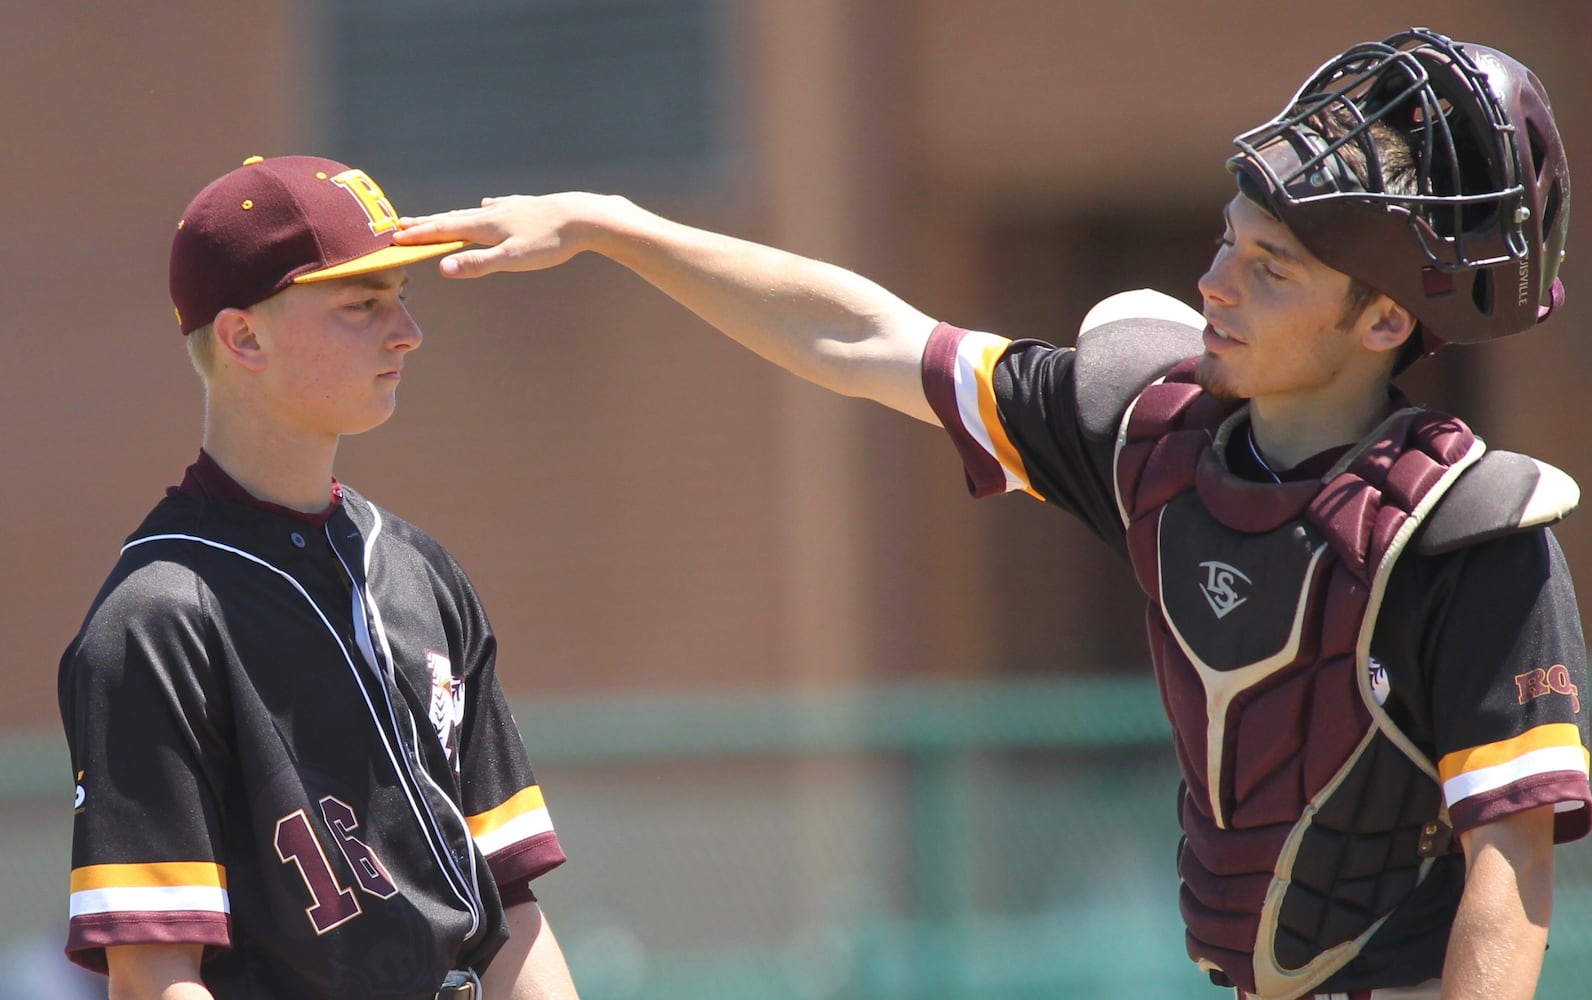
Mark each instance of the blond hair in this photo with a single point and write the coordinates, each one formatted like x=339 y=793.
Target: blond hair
x=202 y=342
x=202 y=349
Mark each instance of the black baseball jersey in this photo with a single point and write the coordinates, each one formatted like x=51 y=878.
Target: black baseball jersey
x=1476 y=654
x=291 y=747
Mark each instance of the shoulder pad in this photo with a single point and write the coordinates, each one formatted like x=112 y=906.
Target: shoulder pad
x=1502 y=493
x=1126 y=342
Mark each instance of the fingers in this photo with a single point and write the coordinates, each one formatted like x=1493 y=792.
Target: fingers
x=472 y=263
x=465 y=263
x=495 y=221
x=461 y=224
x=516 y=233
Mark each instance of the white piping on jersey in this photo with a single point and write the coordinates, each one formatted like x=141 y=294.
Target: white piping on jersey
x=426 y=821
x=361 y=601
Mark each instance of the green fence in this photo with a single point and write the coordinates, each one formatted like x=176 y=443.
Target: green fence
x=986 y=841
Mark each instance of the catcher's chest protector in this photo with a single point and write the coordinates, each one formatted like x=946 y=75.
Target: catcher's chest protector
x=1304 y=806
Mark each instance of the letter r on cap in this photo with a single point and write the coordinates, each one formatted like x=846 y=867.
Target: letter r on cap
x=383 y=219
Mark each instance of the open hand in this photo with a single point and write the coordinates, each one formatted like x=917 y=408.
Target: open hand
x=515 y=233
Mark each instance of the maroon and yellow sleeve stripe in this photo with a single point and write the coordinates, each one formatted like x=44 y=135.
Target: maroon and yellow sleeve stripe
x=959 y=383
x=163 y=902
x=191 y=886
x=523 y=816
x=1544 y=765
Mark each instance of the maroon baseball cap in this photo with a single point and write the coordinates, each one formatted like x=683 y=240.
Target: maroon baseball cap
x=281 y=221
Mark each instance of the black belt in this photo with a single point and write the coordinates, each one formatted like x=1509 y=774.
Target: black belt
x=461 y=984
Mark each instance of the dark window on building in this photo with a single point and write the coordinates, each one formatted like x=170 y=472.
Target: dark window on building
x=466 y=96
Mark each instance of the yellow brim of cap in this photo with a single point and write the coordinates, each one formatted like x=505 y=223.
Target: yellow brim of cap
x=381 y=260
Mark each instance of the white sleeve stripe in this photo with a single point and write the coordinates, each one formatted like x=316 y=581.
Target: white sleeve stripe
x=147 y=899
x=523 y=827
x=972 y=352
x=1487 y=779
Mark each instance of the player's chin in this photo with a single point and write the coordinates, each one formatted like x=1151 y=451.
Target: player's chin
x=371 y=418
x=1215 y=376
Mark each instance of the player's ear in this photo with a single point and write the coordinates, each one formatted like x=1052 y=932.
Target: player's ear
x=237 y=339
x=1385 y=325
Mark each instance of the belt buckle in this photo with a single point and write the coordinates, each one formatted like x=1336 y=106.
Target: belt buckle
x=460 y=984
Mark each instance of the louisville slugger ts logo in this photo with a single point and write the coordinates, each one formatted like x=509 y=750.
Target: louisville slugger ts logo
x=1221 y=587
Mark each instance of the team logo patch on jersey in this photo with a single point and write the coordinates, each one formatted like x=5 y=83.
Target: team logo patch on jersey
x=1380 y=688
x=1555 y=680
x=447 y=703
x=79 y=797
x=1220 y=587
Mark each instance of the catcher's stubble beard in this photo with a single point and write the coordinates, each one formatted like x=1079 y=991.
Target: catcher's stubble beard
x=1206 y=377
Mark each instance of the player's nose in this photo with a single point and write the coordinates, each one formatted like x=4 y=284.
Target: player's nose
x=405 y=334
x=1216 y=283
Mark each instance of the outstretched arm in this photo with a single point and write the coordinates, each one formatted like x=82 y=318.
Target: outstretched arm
x=821 y=322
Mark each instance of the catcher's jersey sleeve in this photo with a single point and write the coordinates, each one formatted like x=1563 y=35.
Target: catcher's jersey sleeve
x=1508 y=677
x=1010 y=409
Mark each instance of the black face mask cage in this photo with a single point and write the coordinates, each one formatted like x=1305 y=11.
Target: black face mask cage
x=1422 y=85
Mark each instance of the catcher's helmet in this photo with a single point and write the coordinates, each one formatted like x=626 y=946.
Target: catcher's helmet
x=1474 y=250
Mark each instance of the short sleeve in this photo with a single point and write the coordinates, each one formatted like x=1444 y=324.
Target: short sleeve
x=139 y=711
x=1010 y=409
x=504 y=805
x=1508 y=700
x=502 y=802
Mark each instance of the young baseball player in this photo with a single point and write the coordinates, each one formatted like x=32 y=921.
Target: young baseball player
x=296 y=773
x=1364 y=632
